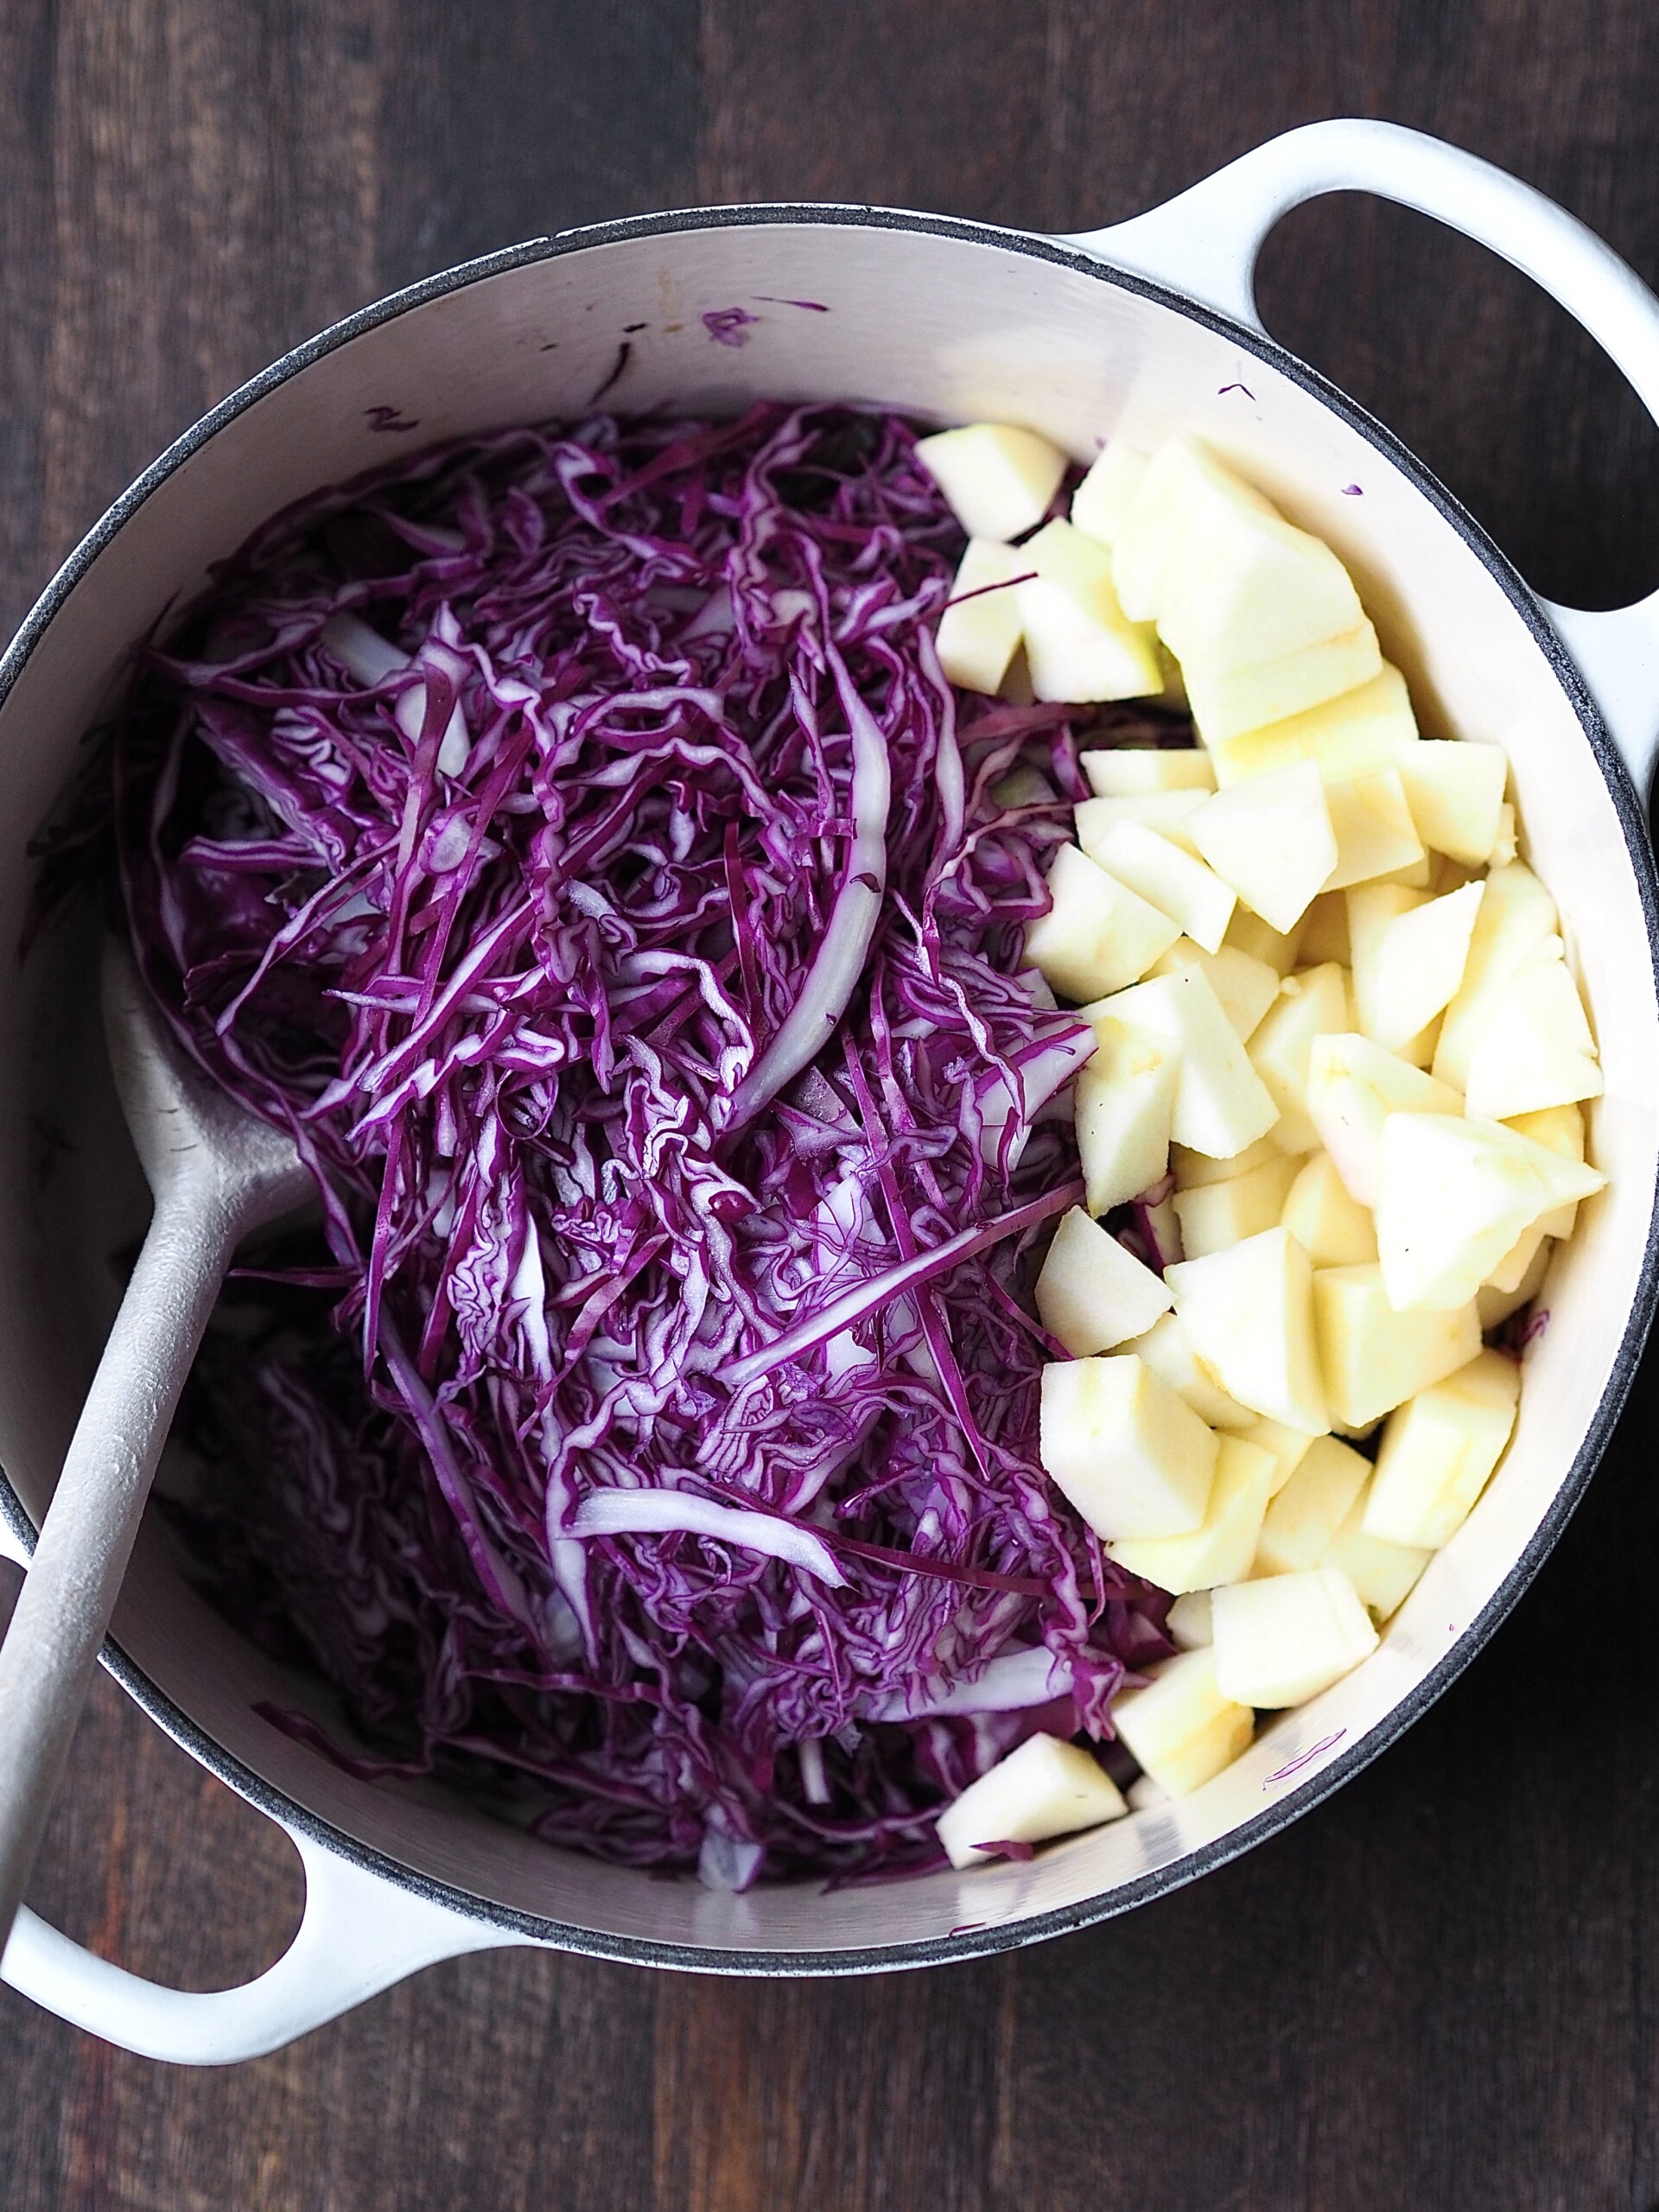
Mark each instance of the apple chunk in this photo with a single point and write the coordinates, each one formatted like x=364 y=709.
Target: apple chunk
x=1220 y=1104
x=1305 y=1516
x=1536 y=1049
x=1132 y=1457
x=1142 y=771
x=1097 y=935
x=1175 y=881
x=979 y=631
x=1246 y=987
x=1370 y=727
x=1334 y=1229
x=1183 y=490
x=998 y=478
x=1092 y=1294
x=1222 y=1549
x=1167 y=812
x=1167 y=1351
x=1282 y=1641
x=1078 y=643
x=1560 y=1128
x=1374 y=832
x=1517 y=917
x=1226 y=702
x=1383 y=1573
x=1438 y=1450
x=1353 y=1085
x=1124 y=1106
x=1248 y=1314
x=1045 y=1787
x=1271 y=840
x=1180 y=1727
x=1372 y=1357
x=1311 y=1005
x=1455 y=792
x=1214 y=1216
x=1408 y=958
x=1103 y=498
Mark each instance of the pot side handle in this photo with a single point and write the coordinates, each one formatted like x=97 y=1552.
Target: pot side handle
x=359 y=1933
x=1205 y=241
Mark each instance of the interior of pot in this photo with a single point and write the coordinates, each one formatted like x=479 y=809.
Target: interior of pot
x=953 y=325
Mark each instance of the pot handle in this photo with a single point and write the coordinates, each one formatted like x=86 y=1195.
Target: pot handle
x=359 y=1933
x=1205 y=243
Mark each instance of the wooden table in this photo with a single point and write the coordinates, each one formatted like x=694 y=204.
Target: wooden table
x=1443 y=1988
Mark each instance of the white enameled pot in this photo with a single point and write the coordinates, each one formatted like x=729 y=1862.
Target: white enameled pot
x=1136 y=330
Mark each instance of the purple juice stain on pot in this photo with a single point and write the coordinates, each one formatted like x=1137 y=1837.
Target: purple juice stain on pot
x=728 y=326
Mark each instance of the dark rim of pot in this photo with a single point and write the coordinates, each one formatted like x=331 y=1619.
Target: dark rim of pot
x=971 y=1941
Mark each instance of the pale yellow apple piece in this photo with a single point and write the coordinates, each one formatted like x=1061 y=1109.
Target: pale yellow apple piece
x=1561 y=1128
x=1183 y=489
x=1192 y=1170
x=1189 y=1621
x=1455 y=791
x=1282 y=1640
x=1310 y=1508
x=1179 y=1728
x=1103 y=498
x=1165 y=1350
x=1516 y=916
x=1384 y=1573
x=1092 y=1294
x=1249 y=933
x=1496 y=1305
x=1248 y=1314
x=1370 y=727
x=1242 y=587
x=1454 y=1196
x=1220 y=1104
x=1216 y=1215
x=1132 y=1457
x=1310 y=1004
x=1536 y=1049
x=1144 y=771
x=1438 y=1452
x=979 y=631
x=1272 y=840
x=1353 y=1085
x=1167 y=812
x=1408 y=958
x=998 y=478
x=1220 y=1551
x=1225 y=702
x=1246 y=987
x=1096 y=936
x=1289 y=1447
x=1374 y=829
x=1044 y=1788
x=1515 y=1266
x=1165 y=877
x=1124 y=1106
x=1079 y=644
x=1373 y=1358
x=1332 y=1228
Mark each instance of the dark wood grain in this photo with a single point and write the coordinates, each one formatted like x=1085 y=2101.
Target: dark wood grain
x=1443 y=1989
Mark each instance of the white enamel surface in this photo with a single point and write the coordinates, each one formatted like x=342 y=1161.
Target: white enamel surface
x=952 y=328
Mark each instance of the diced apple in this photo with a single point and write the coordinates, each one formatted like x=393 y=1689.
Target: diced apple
x=1282 y=1641
x=1044 y=1788
x=1167 y=1351
x=1325 y=931
x=1248 y=1314
x=1096 y=936
x=1245 y=986
x=1536 y=1049
x=979 y=632
x=1383 y=1573
x=1242 y=587
x=1142 y=771
x=1438 y=1450
x=1181 y=1728
x=1079 y=644
x=1455 y=792
x=1221 y=1551
x=1132 y=1457
x=1167 y=812
x=1561 y=1128
x=1516 y=916
x=1496 y=1305
x=998 y=478
x=1192 y=1170
x=1353 y=1085
x=1409 y=954
x=1175 y=883
x=1092 y=1294
x=1307 y=1512
x=1373 y=1358
x=1249 y=933
x=1216 y=1215
x=1125 y=1104
x=1312 y=1004
x=1454 y=1196
x=1289 y=1447
x=1103 y=498
x=1516 y=1264
x=1220 y=1104
x=1182 y=487
x=1189 y=1621
x=1333 y=1229
x=1370 y=727
x=1272 y=840
x=1227 y=702
x=1374 y=829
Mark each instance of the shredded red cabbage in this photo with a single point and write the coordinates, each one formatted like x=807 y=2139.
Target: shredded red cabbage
x=569 y=836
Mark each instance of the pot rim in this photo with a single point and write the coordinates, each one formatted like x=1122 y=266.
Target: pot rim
x=969 y=1941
